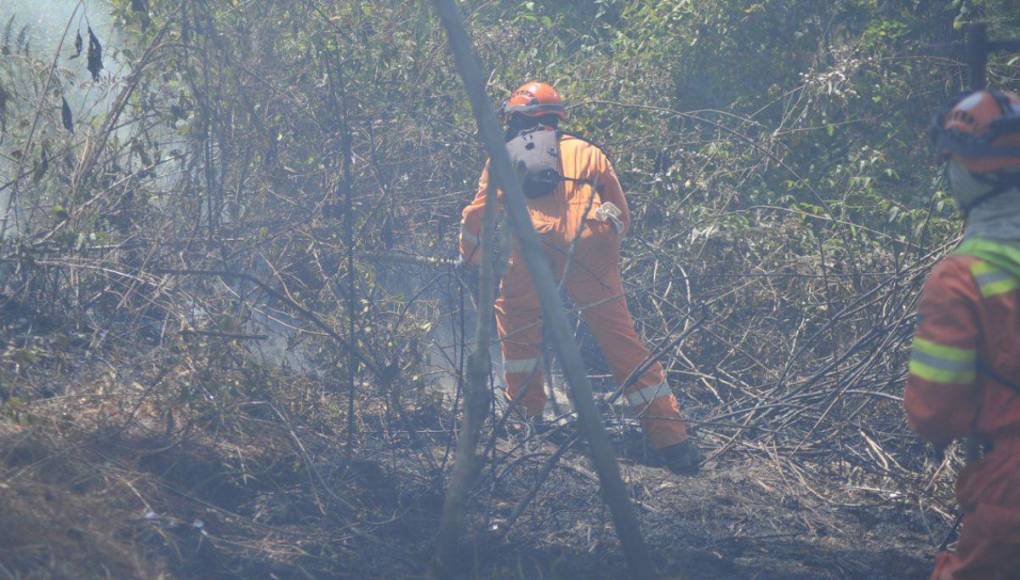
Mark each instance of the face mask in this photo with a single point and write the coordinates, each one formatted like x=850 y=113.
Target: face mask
x=965 y=188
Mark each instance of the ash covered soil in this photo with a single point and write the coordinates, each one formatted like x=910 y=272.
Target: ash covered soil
x=739 y=518
x=256 y=490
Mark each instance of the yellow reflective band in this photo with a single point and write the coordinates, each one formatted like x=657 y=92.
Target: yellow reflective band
x=992 y=281
x=999 y=269
x=981 y=267
x=995 y=252
x=943 y=352
x=938 y=363
x=999 y=287
x=941 y=376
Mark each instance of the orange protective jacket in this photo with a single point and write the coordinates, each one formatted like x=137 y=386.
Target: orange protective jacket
x=560 y=213
x=964 y=369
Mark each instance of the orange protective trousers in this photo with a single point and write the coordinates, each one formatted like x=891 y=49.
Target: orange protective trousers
x=989 y=494
x=592 y=281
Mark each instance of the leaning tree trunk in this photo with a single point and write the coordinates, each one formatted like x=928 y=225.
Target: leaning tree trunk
x=603 y=457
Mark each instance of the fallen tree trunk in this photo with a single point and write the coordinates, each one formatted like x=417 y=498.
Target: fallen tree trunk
x=602 y=454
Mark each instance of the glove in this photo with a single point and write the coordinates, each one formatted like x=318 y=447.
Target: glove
x=608 y=212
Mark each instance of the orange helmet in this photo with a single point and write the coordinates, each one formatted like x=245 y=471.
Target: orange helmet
x=981 y=132
x=534 y=99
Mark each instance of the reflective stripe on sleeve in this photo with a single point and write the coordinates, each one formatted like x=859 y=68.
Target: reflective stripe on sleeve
x=991 y=281
x=646 y=395
x=520 y=365
x=938 y=363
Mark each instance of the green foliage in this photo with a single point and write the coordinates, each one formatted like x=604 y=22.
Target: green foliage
x=774 y=155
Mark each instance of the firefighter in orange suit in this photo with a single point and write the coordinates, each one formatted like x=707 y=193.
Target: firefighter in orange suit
x=965 y=366
x=587 y=202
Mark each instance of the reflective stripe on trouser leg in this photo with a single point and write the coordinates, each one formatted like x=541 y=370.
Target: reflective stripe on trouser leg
x=520 y=365
x=605 y=310
x=659 y=413
x=517 y=319
x=639 y=398
x=523 y=379
x=466 y=236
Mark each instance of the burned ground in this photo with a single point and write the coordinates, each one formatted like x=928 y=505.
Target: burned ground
x=111 y=478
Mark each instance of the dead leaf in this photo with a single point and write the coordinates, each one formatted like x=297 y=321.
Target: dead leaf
x=95 y=55
x=78 y=44
x=65 y=115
